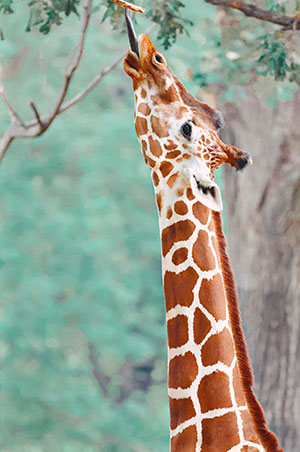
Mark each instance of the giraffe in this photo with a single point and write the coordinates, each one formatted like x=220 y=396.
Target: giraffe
x=210 y=382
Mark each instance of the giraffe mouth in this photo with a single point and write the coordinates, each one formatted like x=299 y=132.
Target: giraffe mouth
x=131 y=33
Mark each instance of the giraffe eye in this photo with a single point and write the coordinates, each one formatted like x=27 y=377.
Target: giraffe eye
x=186 y=130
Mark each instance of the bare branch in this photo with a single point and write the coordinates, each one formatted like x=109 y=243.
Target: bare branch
x=102 y=380
x=14 y=115
x=136 y=8
x=37 y=126
x=36 y=113
x=70 y=71
x=5 y=142
x=287 y=22
x=91 y=85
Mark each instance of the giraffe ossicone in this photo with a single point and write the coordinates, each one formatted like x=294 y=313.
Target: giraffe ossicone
x=212 y=404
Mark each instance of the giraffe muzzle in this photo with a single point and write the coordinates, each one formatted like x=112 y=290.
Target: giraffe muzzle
x=131 y=33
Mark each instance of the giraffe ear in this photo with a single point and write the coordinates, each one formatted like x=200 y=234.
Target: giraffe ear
x=207 y=192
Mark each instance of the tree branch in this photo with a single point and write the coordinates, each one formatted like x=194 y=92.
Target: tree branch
x=287 y=22
x=38 y=126
x=66 y=105
x=70 y=71
x=36 y=113
x=14 y=115
x=102 y=380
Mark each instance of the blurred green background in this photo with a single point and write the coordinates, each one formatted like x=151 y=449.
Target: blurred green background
x=84 y=337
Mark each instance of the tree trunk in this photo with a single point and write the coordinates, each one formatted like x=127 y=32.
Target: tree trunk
x=263 y=213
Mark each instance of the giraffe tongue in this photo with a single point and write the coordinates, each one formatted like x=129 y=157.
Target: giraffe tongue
x=131 y=33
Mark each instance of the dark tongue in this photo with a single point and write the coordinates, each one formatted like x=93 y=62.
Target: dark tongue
x=131 y=33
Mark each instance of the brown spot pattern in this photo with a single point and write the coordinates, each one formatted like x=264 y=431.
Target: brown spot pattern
x=180 y=207
x=220 y=433
x=150 y=162
x=248 y=428
x=155 y=147
x=170 y=95
x=166 y=168
x=213 y=392
x=181 y=410
x=179 y=192
x=143 y=93
x=169 y=213
x=178 y=287
x=141 y=126
x=201 y=326
x=144 y=109
x=172 y=179
x=185 y=441
x=171 y=145
x=181 y=230
x=201 y=212
x=159 y=127
x=183 y=370
x=172 y=154
x=155 y=178
x=212 y=297
x=180 y=256
x=144 y=147
x=177 y=331
x=202 y=254
x=219 y=347
x=189 y=194
x=159 y=201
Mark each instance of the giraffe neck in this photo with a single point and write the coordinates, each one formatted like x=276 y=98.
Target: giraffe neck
x=208 y=384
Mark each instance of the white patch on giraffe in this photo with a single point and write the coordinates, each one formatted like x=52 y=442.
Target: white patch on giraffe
x=239 y=446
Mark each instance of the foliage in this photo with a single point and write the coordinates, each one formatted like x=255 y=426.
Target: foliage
x=44 y=13
x=234 y=52
x=167 y=14
x=275 y=60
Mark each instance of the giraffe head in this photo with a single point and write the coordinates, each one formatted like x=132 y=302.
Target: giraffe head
x=177 y=132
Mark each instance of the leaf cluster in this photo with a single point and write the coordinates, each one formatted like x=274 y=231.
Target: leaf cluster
x=44 y=13
x=168 y=15
x=6 y=6
x=274 y=60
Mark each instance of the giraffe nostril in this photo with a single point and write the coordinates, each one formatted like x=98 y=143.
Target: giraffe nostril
x=244 y=161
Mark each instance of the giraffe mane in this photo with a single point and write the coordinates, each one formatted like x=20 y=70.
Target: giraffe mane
x=267 y=438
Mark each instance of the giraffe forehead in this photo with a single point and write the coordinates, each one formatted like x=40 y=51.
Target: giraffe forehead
x=172 y=115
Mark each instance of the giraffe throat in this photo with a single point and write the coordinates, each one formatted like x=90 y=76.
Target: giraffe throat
x=205 y=390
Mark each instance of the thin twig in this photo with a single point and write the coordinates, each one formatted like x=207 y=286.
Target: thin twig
x=14 y=115
x=286 y=22
x=70 y=71
x=37 y=126
x=5 y=142
x=36 y=113
x=65 y=106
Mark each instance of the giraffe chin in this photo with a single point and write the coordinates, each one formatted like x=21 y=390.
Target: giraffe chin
x=208 y=193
